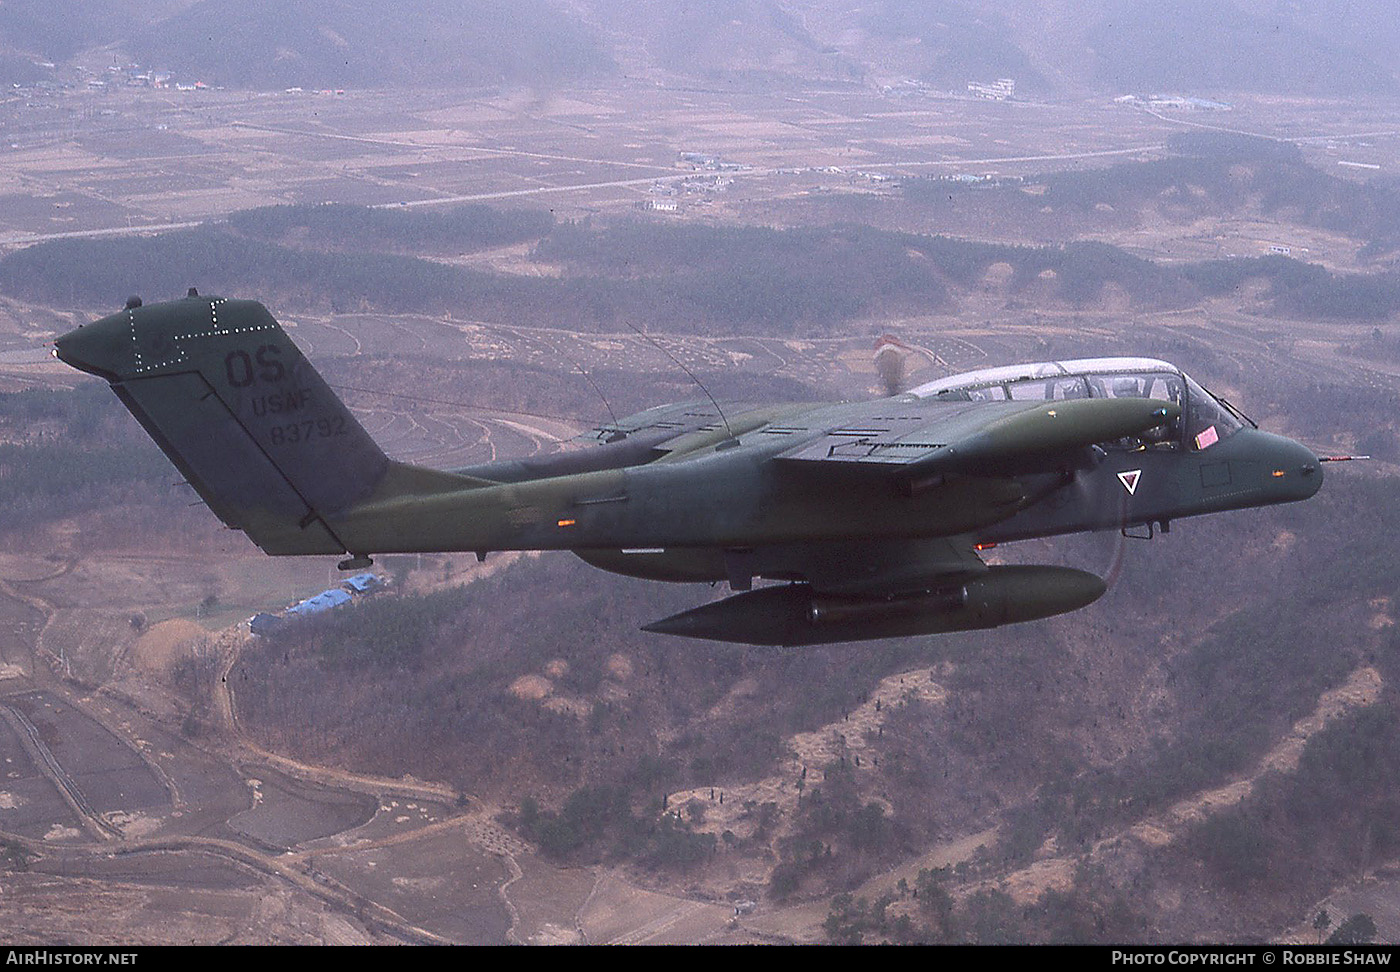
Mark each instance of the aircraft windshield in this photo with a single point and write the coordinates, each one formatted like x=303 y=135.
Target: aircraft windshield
x=1205 y=420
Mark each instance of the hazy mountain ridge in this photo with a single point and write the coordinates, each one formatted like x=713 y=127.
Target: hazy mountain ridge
x=1311 y=47
x=1315 y=47
x=1123 y=45
x=721 y=38
x=338 y=43
x=1220 y=47
x=55 y=30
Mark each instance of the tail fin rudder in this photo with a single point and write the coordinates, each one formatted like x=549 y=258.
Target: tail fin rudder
x=244 y=416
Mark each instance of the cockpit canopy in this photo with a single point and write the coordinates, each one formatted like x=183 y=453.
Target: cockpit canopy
x=1205 y=419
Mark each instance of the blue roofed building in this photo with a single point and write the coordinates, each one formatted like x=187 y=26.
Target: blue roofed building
x=321 y=602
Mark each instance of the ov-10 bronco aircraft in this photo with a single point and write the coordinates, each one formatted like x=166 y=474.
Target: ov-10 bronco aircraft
x=869 y=513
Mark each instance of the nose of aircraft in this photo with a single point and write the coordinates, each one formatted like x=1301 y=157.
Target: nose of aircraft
x=1294 y=471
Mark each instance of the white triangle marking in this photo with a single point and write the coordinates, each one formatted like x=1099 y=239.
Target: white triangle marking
x=1130 y=480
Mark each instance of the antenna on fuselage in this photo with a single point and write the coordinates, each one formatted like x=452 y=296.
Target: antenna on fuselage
x=594 y=385
x=677 y=362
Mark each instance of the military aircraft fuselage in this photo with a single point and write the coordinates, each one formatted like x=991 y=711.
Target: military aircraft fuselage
x=871 y=513
x=732 y=497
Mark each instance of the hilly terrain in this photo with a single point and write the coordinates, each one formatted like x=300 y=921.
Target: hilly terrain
x=1247 y=654
x=1319 y=48
x=1073 y=747
x=801 y=280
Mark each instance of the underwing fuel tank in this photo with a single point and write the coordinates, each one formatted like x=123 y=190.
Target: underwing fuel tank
x=793 y=614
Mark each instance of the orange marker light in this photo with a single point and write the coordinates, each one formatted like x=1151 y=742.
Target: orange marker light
x=567 y=523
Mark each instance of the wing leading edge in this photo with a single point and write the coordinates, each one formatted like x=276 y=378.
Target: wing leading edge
x=983 y=438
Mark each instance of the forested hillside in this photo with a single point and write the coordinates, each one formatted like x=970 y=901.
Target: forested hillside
x=685 y=277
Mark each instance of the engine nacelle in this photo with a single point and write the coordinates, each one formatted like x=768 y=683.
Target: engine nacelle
x=792 y=614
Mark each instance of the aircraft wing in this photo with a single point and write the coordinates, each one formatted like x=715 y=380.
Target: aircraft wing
x=663 y=421
x=666 y=430
x=987 y=438
x=682 y=428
